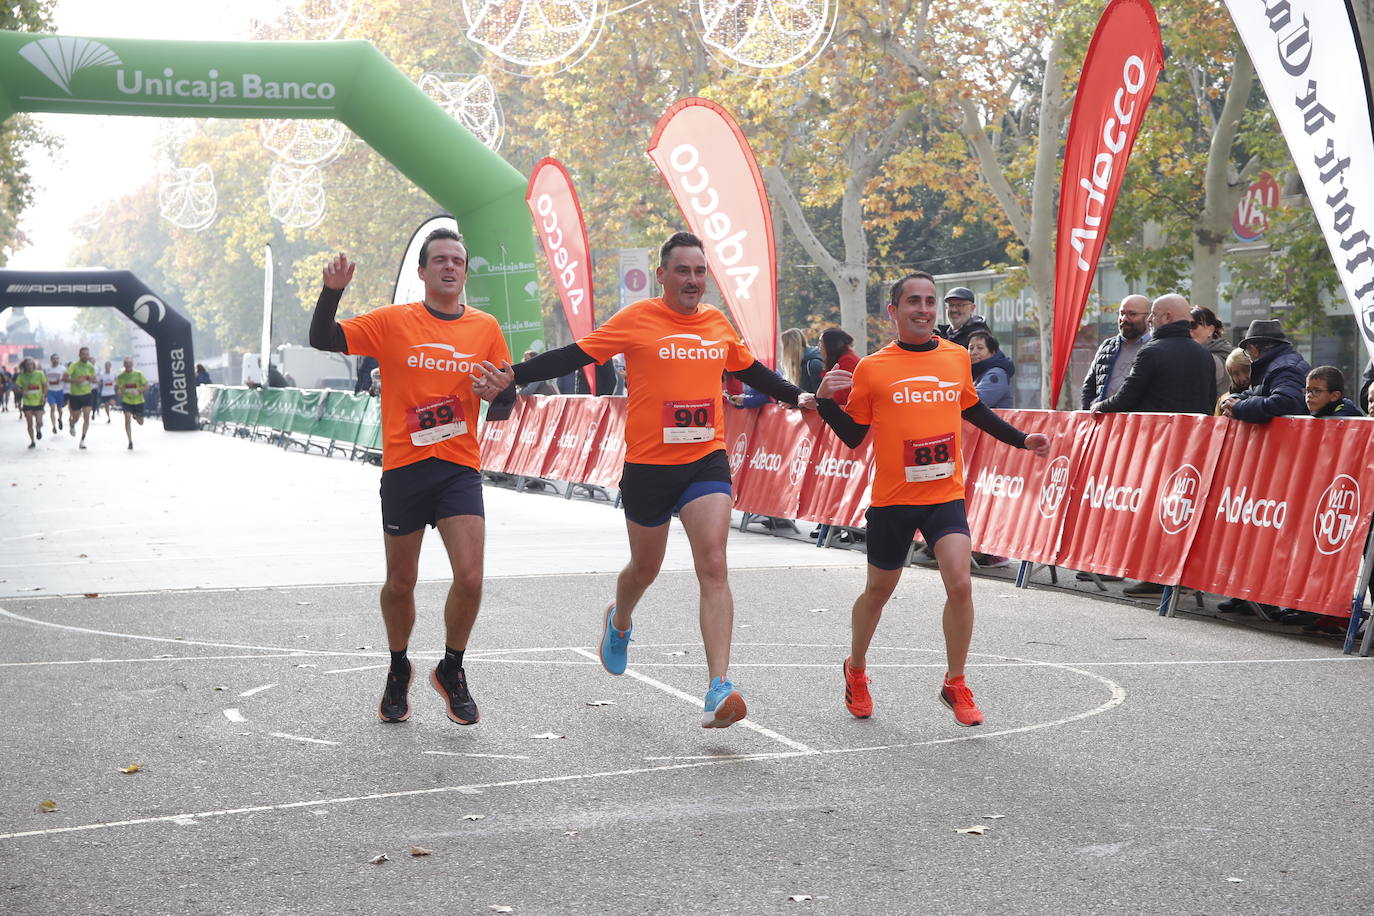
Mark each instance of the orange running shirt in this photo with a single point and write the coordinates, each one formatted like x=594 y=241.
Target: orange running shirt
x=914 y=402
x=673 y=364
x=429 y=409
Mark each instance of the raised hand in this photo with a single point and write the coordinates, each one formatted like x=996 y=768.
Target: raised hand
x=338 y=272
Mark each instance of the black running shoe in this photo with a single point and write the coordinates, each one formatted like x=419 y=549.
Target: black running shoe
x=453 y=687
x=395 y=704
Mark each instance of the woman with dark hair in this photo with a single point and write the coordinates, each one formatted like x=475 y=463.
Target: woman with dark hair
x=837 y=349
x=1207 y=330
x=992 y=370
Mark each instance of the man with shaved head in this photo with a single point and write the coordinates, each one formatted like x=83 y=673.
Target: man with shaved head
x=1116 y=354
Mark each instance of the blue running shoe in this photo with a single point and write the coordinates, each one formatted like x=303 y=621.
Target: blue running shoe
x=724 y=705
x=615 y=644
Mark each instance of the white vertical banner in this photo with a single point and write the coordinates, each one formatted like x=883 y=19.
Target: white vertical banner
x=1307 y=54
x=636 y=279
x=266 y=350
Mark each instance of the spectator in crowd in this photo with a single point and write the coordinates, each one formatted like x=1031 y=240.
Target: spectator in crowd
x=992 y=370
x=1364 y=387
x=801 y=365
x=1277 y=377
x=959 y=312
x=4 y=390
x=837 y=351
x=274 y=377
x=1208 y=331
x=365 y=366
x=1172 y=374
x=540 y=387
x=202 y=375
x=1325 y=394
x=374 y=382
x=1116 y=354
x=1237 y=376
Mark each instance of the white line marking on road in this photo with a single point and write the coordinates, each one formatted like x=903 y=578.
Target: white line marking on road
x=492 y=756
x=363 y=668
x=301 y=738
x=233 y=715
x=774 y=755
x=249 y=693
x=682 y=695
x=160 y=658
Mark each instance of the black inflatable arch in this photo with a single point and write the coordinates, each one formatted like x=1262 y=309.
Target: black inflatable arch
x=120 y=289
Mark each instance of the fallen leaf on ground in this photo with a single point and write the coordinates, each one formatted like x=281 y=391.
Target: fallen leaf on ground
x=47 y=806
x=547 y=736
x=474 y=817
x=378 y=860
x=364 y=648
x=819 y=610
x=131 y=768
x=219 y=687
x=976 y=830
x=600 y=703
x=83 y=556
x=418 y=851
x=570 y=833
x=799 y=898
x=91 y=595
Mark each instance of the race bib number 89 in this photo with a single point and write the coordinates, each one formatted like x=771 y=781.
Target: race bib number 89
x=436 y=421
x=689 y=421
x=928 y=459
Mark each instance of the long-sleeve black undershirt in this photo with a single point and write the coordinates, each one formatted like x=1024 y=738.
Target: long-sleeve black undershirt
x=325 y=332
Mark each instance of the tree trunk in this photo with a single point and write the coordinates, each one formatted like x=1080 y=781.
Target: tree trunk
x=1222 y=187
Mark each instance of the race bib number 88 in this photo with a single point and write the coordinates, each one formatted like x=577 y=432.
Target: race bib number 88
x=436 y=421
x=928 y=459
x=689 y=421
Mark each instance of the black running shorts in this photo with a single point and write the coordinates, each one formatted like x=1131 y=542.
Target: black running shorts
x=77 y=401
x=420 y=494
x=891 y=529
x=131 y=408
x=651 y=493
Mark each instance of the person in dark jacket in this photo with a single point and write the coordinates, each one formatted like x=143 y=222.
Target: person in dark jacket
x=1172 y=373
x=1325 y=395
x=1115 y=355
x=1277 y=376
x=992 y=370
x=1367 y=380
x=963 y=323
x=1209 y=331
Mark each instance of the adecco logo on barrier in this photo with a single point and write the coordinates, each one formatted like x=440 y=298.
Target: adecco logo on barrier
x=1178 y=499
x=737 y=453
x=799 y=462
x=1056 y=485
x=1336 y=514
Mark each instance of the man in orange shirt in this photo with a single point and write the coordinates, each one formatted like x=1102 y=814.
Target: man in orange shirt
x=430 y=457
x=914 y=394
x=675 y=350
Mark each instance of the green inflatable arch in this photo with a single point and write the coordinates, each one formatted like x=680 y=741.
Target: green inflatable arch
x=346 y=80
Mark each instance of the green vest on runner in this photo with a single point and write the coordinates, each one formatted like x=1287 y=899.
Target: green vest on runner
x=80 y=369
x=128 y=385
x=31 y=384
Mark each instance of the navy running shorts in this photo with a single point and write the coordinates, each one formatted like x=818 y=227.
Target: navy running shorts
x=891 y=529
x=651 y=493
x=419 y=494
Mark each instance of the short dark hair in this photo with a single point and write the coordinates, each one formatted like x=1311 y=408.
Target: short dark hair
x=441 y=233
x=1333 y=377
x=896 y=295
x=992 y=344
x=678 y=240
x=1201 y=314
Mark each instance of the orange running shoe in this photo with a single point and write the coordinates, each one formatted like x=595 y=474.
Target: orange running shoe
x=955 y=694
x=856 y=696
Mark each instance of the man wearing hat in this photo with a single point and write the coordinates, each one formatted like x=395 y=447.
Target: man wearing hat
x=963 y=323
x=1277 y=377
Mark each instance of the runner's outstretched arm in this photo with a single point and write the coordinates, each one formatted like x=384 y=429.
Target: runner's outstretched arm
x=761 y=378
x=851 y=432
x=981 y=416
x=497 y=384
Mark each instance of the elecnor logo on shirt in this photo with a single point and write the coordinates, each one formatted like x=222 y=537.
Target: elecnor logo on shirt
x=454 y=362
x=942 y=393
x=703 y=349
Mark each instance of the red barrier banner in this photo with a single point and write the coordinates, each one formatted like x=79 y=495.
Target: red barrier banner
x=1286 y=519
x=527 y=454
x=1017 y=502
x=606 y=460
x=836 y=488
x=779 y=457
x=1124 y=60
x=739 y=426
x=552 y=437
x=711 y=172
x=558 y=221
x=1136 y=498
x=498 y=438
x=577 y=432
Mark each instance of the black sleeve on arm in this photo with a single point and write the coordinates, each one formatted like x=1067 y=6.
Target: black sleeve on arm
x=981 y=416
x=551 y=364
x=850 y=431
x=761 y=378
x=325 y=332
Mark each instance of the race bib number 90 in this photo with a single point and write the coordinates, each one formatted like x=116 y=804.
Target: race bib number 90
x=689 y=421
x=436 y=421
x=928 y=459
